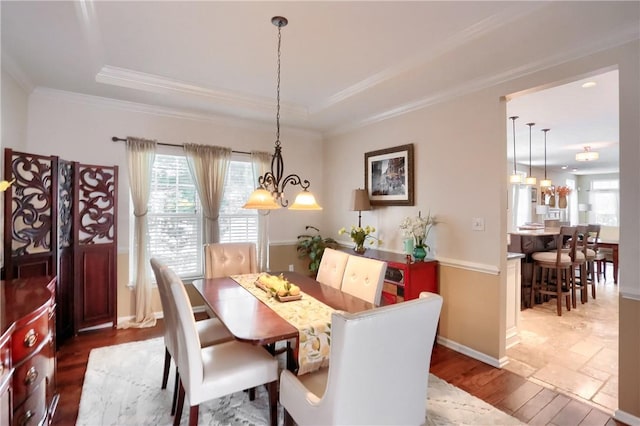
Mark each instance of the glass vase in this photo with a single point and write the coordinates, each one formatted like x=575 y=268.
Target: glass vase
x=359 y=248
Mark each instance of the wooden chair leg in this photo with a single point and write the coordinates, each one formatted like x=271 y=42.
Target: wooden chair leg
x=193 y=415
x=532 y=296
x=176 y=419
x=288 y=420
x=273 y=402
x=167 y=365
x=559 y=292
x=174 y=401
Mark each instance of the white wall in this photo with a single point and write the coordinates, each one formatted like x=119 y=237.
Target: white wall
x=14 y=113
x=80 y=128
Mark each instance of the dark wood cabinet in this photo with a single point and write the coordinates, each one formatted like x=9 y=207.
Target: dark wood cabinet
x=28 y=393
x=405 y=279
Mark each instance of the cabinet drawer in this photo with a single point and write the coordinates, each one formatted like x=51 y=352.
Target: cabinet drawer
x=31 y=373
x=34 y=409
x=28 y=337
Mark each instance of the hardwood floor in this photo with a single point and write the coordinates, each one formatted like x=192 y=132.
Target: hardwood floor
x=507 y=391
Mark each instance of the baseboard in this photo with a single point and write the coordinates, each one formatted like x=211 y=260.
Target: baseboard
x=494 y=362
x=158 y=315
x=626 y=418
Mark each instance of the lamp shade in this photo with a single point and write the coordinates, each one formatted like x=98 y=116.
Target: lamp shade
x=261 y=199
x=305 y=200
x=587 y=155
x=360 y=200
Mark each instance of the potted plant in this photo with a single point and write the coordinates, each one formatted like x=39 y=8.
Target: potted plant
x=312 y=246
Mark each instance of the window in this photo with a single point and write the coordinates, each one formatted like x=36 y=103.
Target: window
x=604 y=200
x=238 y=224
x=175 y=214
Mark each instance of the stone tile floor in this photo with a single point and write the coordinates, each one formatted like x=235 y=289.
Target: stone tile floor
x=575 y=354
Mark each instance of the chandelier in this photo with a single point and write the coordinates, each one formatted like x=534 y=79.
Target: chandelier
x=270 y=192
x=587 y=155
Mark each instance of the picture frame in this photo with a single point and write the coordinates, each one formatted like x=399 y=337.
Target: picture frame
x=388 y=176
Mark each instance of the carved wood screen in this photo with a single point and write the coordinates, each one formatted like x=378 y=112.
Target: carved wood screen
x=60 y=219
x=94 y=244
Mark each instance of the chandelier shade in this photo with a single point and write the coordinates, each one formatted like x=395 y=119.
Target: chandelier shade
x=515 y=177
x=271 y=186
x=587 y=155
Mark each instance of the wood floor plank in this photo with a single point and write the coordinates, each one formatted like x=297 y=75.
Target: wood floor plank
x=519 y=397
x=535 y=405
x=595 y=418
x=571 y=414
x=550 y=410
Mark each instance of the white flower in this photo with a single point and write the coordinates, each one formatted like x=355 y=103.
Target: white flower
x=417 y=227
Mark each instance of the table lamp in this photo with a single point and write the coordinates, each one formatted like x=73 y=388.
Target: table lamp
x=360 y=202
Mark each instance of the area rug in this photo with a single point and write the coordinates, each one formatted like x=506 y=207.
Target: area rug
x=122 y=387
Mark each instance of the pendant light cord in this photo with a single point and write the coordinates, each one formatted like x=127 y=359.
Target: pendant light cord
x=279 y=25
x=545 y=152
x=530 y=126
x=513 y=120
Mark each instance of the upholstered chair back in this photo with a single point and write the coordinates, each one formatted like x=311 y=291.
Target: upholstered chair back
x=168 y=311
x=379 y=368
x=363 y=278
x=189 y=359
x=224 y=259
x=332 y=267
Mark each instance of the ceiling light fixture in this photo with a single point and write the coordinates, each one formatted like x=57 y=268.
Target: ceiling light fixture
x=270 y=192
x=587 y=155
x=515 y=177
x=530 y=180
x=589 y=84
x=545 y=183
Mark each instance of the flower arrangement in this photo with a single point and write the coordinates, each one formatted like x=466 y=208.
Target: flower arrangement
x=561 y=191
x=360 y=236
x=417 y=227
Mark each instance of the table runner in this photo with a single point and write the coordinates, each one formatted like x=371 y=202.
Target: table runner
x=311 y=317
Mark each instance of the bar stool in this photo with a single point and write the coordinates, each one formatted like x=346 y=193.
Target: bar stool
x=561 y=262
x=594 y=256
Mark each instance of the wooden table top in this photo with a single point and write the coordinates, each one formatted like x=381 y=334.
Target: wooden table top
x=250 y=320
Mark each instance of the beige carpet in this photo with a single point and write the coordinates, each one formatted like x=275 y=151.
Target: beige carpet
x=122 y=387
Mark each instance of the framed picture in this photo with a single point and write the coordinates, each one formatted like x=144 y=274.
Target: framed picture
x=388 y=176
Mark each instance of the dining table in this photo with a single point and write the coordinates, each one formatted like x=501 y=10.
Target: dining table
x=254 y=318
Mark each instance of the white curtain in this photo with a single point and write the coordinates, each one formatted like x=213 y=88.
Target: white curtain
x=141 y=154
x=208 y=166
x=261 y=162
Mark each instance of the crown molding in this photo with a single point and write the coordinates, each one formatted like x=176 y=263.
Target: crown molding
x=141 y=108
x=459 y=39
x=152 y=83
x=623 y=36
x=12 y=68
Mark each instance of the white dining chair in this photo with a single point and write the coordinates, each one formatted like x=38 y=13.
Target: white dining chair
x=224 y=259
x=218 y=370
x=332 y=266
x=379 y=369
x=211 y=330
x=363 y=278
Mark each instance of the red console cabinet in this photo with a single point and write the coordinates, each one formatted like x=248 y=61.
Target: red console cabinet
x=405 y=279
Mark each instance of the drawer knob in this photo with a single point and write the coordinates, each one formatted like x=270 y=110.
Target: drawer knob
x=26 y=417
x=31 y=376
x=31 y=338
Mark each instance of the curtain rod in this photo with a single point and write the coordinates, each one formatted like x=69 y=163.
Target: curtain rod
x=117 y=139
